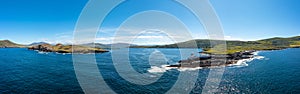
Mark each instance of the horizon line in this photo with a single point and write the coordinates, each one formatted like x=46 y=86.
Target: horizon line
x=156 y=44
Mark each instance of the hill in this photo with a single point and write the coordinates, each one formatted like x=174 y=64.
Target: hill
x=109 y=46
x=97 y=45
x=37 y=43
x=236 y=46
x=9 y=44
x=59 y=48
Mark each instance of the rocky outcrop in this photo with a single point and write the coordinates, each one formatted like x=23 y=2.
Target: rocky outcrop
x=215 y=60
x=42 y=47
x=60 y=48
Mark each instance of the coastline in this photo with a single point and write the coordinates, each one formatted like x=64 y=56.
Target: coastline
x=239 y=63
x=243 y=62
x=213 y=60
x=254 y=55
x=64 y=49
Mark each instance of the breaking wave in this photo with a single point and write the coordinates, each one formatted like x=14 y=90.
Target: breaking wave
x=243 y=62
x=164 y=68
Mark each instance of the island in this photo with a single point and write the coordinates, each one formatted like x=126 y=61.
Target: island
x=60 y=48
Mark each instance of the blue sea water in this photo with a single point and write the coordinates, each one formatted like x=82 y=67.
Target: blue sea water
x=26 y=71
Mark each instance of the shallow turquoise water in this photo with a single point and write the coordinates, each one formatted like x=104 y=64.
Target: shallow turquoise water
x=24 y=71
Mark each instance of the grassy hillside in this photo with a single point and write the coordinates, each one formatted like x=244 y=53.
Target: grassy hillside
x=236 y=46
x=187 y=44
x=9 y=44
x=66 y=48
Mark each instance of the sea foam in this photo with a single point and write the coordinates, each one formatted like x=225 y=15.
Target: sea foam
x=164 y=68
x=243 y=62
x=161 y=69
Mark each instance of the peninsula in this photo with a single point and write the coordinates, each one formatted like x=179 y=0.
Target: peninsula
x=234 y=52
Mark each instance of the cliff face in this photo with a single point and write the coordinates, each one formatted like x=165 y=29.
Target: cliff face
x=66 y=48
x=9 y=44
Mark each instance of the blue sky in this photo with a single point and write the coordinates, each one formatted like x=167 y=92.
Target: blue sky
x=26 y=21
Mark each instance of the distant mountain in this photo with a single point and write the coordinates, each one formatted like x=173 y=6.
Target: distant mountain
x=97 y=45
x=201 y=43
x=37 y=43
x=120 y=45
x=9 y=44
x=109 y=46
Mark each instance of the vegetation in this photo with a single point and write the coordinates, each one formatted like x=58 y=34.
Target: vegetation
x=53 y=48
x=209 y=46
x=219 y=47
x=9 y=44
x=66 y=48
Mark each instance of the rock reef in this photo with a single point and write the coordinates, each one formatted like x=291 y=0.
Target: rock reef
x=214 y=60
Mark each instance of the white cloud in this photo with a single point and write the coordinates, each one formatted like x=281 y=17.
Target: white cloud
x=150 y=37
x=104 y=39
x=230 y=38
x=234 y=38
x=128 y=35
x=64 y=37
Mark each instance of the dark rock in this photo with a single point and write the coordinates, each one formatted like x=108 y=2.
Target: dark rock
x=42 y=47
x=215 y=60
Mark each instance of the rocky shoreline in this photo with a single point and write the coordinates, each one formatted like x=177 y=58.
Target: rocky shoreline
x=59 y=48
x=214 y=60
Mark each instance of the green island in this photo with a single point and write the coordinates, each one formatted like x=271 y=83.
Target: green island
x=59 y=48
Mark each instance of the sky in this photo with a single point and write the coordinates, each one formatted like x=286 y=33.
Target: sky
x=53 y=21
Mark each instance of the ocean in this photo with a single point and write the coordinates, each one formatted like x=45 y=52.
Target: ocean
x=26 y=71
